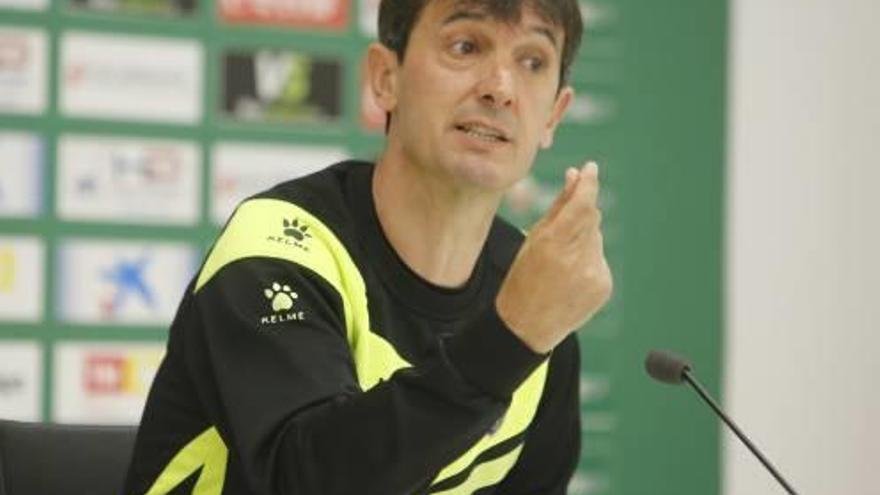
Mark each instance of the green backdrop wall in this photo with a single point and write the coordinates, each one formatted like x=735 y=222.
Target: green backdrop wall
x=651 y=84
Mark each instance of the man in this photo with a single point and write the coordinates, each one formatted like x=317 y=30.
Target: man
x=376 y=329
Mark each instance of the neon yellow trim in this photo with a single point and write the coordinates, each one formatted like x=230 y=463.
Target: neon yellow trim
x=518 y=417
x=206 y=451
x=486 y=474
x=257 y=230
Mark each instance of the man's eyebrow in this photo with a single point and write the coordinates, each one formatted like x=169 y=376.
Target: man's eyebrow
x=547 y=33
x=464 y=15
x=472 y=15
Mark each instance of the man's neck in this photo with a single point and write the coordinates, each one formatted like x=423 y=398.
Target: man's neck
x=437 y=229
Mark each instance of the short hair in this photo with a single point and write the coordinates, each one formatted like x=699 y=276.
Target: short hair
x=397 y=18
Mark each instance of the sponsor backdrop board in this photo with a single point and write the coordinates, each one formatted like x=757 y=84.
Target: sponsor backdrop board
x=128 y=180
x=24 y=70
x=129 y=130
x=21 y=380
x=21 y=183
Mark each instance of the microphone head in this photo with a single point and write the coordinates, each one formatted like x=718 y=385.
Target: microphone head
x=666 y=367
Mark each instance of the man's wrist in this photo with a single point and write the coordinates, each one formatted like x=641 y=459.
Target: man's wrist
x=489 y=355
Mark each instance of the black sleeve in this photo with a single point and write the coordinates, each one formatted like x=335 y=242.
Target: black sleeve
x=552 y=444
x=286 y=400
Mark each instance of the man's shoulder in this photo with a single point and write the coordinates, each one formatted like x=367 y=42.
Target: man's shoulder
x=306 y=221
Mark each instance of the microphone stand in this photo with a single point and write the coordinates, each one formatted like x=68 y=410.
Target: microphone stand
x=702 y=392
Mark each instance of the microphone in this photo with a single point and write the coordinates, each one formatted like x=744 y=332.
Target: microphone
x=668 y=368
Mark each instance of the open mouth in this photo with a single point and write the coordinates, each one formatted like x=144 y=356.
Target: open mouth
x=482 y=132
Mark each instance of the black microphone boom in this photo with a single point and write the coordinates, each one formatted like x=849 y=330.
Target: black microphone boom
x=668 y=368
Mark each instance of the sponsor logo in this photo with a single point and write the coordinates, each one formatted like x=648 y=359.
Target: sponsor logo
x=7 y=269
x=14 y=53
x=124 y=282
x=117 y=373
x=281 y=298
x=598 y=15
x=152 y=165
x=127 y=278
x=152 y=7
x=281 y=86
x=110 y=77
x=10 y=385
x=131 y=77
x=128 y=180
x=21 y=278
x=103 y=382
x=25 y=4
x=591 y=109
x=586 y=482
x=20 y=380
x=295 y=234
x=594 y=388
x=23 y=70
x=327 y=14
x=132 y=170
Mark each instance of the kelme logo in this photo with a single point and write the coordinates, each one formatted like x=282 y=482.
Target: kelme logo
x=296 y=230
x=295 y=233
x=281 y=299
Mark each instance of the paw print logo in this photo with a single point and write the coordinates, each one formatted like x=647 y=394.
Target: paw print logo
x=282 y=297
x=296 y=230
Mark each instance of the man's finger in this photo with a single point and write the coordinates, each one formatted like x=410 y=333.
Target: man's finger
x=574 y=215
x=590 y=173
x=571 y=177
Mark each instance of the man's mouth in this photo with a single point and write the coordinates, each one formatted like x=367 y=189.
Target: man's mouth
x=484 y=132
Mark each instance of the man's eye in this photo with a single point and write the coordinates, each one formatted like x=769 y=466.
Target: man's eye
x=464 y=47
x=534 y=64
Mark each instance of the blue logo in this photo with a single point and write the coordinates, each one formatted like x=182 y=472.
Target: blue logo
x=129 y=280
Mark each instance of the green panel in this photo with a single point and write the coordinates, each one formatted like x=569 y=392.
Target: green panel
x=674 y=155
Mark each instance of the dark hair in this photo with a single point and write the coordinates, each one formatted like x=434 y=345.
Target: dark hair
x=397 y=18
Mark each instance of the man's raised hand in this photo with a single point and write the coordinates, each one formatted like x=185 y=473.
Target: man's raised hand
x=560 y=277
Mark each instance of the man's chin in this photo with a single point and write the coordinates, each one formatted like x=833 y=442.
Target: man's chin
x=486 y=175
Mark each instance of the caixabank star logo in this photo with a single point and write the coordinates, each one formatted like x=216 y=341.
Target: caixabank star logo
x=294 y=233
x=281 y=299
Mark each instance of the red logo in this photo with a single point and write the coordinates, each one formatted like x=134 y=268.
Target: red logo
x=105 y=374
x=323 y=14
x=14 y=53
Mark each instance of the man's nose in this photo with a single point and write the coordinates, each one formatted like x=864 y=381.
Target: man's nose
x=497 y=86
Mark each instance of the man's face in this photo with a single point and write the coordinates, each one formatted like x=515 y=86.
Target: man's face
x=475 y=97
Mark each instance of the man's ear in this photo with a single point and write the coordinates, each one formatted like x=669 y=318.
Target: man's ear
x=382 y=75
x=563 y=101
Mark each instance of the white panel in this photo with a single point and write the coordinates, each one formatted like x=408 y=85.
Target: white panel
x=803 y=241
x=369 y=17
x=21 y=380
x=131 y=77
x=128 y=180
x=22 y=261
x=23 y=70
x=21 y=174
x=103 y=382
x=242 y=169
x=25 y=4
x=122 y=281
